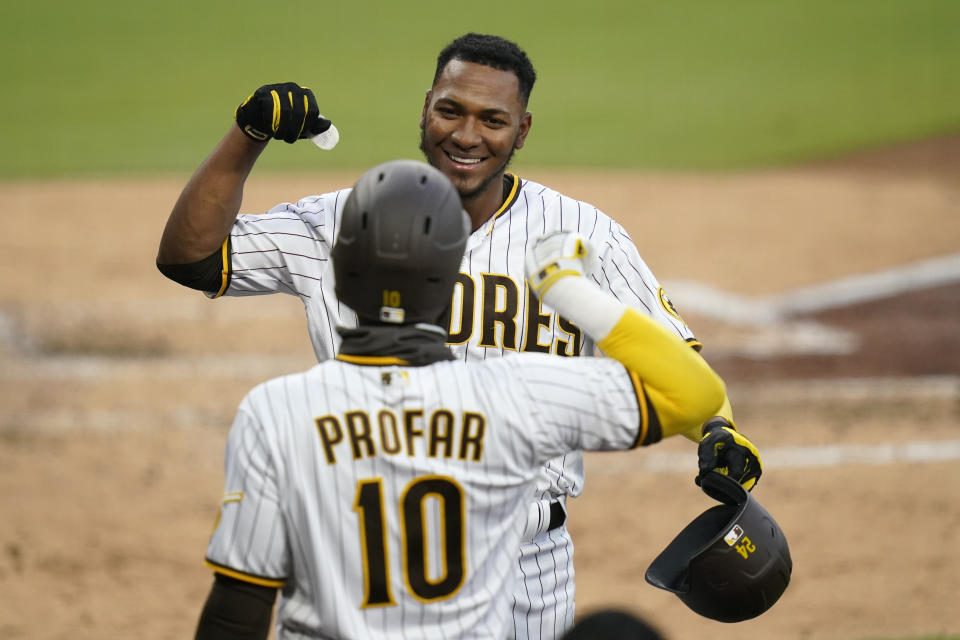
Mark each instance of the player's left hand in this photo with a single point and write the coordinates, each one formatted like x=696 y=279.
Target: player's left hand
x=727 y=451
x=555 y=256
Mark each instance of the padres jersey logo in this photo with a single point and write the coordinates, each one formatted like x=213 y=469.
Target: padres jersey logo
x=497 y=299
x=667 y=304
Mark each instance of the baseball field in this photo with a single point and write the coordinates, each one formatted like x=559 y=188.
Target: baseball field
x=788 y=170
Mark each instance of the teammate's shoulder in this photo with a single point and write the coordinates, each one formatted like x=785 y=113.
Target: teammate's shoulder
x=550 y=196
x=518 y=364
x=533 y=188
x=539 y=376
x=313 y=205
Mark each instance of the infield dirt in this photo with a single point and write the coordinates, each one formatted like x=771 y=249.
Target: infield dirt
x=118 y=388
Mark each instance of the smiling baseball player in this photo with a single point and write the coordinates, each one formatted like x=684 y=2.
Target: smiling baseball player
x=474 y=118
x=385 y=492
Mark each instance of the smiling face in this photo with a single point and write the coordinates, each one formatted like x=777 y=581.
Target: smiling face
x=473 y=120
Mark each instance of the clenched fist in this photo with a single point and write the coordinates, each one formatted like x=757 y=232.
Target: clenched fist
x=284 y=111
x=554 y=256
x=727 y=451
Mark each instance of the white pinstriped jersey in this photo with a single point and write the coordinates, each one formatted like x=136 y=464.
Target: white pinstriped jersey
x=286 y=250
x=388 y=502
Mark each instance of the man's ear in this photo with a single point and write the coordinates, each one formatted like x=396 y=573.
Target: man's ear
x=426 y=105
x=526 y=121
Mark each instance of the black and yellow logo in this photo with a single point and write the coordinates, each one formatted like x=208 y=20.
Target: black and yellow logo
x=667 y=304
x=391 y=298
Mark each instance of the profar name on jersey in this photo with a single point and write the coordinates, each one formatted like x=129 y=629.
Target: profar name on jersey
x=360 y=434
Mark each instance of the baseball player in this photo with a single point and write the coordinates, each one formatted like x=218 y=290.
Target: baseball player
x=474 y=118
x=385 y=492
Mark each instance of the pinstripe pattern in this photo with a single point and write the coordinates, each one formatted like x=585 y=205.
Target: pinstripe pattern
x=296 y=521
x=286 y=250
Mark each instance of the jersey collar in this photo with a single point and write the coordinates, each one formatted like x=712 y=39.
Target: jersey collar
x=511 y=191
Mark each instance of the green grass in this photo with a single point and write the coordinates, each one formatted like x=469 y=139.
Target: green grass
x=134 y=87
x=950 y=637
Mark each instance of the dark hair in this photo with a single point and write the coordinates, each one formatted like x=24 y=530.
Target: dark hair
x=612 y=624
x=490 y=51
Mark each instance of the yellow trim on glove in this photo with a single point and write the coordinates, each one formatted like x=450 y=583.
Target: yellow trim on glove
x=551 y=274
x=742 y=441
x=306 y=110
x=276 y=110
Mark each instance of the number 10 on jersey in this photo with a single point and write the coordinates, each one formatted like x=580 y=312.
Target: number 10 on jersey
x=421 y=582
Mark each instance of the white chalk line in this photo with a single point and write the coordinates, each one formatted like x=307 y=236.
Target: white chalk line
x=796 y=457
x=773 y=326
x=229 y=366
x=74 y=420
x=705 y=300
x=934 y=388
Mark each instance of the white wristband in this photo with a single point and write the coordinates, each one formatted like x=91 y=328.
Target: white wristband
x=586 y=305
x=328 y=139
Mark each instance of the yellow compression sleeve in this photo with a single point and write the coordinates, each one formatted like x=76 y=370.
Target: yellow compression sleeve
x=695 y=434
x=683 y=389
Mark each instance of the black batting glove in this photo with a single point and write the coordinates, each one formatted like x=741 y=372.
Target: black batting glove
x=284 y=111
x=727 y=451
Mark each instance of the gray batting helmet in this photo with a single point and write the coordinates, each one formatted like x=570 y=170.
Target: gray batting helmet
x=400 y=244
x=732 y=562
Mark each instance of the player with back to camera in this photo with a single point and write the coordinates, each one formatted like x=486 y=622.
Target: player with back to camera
x=384 y=492
x=473 y=119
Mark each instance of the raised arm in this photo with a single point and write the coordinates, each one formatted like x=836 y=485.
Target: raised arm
x=204 y=213
x=683 y=389
x=208 y=205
